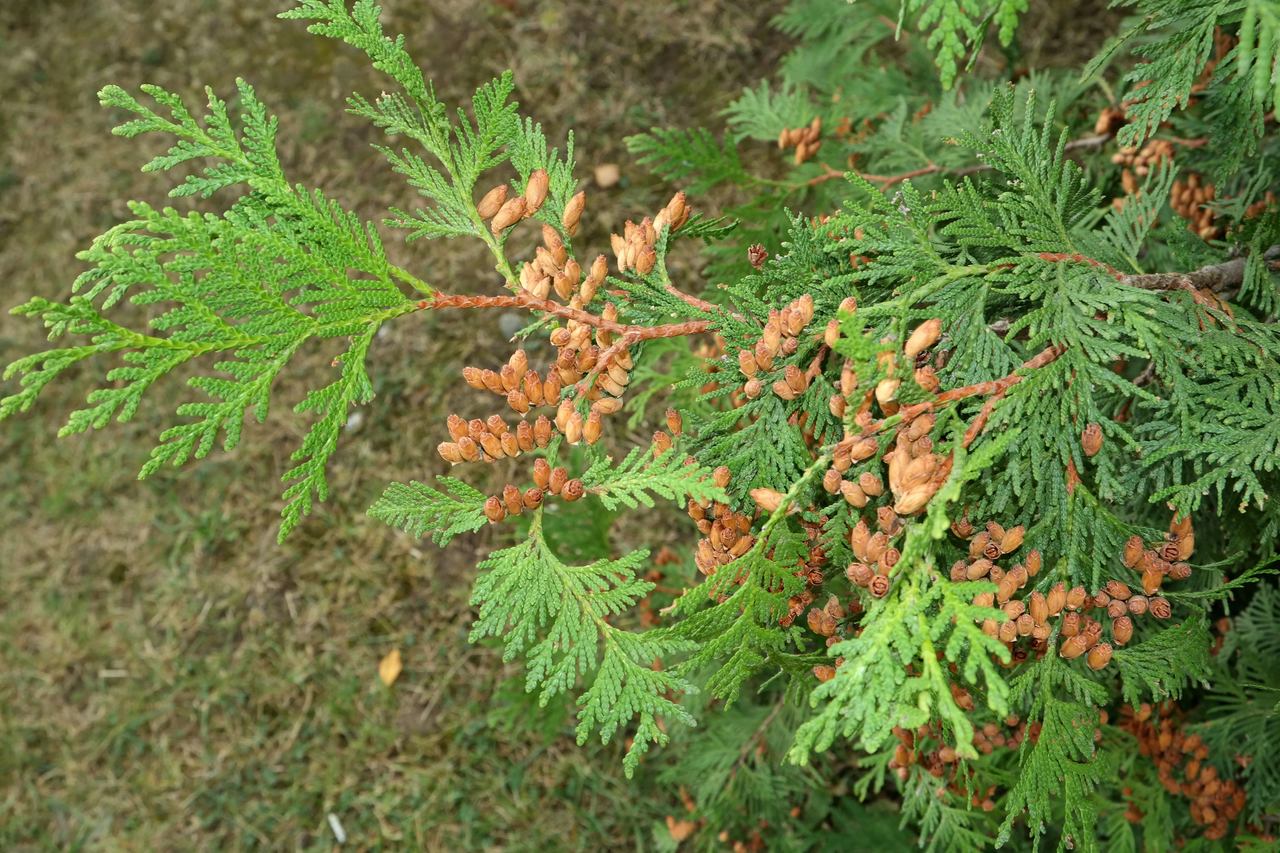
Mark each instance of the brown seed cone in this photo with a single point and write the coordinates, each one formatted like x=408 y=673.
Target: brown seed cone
x=924 y=336
x=854 y=495
x=542 y=431
x=541 y=473
x=1179 y=571
x=1018 y=575
x=783 y=390
x=512 y=499
x=592 y=428
x=1133 y=549
x=1117 y=608
x=1038 y=607
x=890 y=558
x=493 y=382
x=1138 y=604
x=1008 y=631
x=1012 y=539
x=492 y=446
x=573 y=212
x=1151 y=581
x=859 y=574
x=1118 y=589
x=535 y=191
x=978 y=569
x=871 y=484
x=1013 y=609
x=573 y=427
x=661 y=443
x=573 y=490
x=518 y=401
x=1076 y=597
x=511 y=212
x=1122 y=630
x=858 y=539
x=1005 y=589
x=1091 y=439
x=927 y=378
x=1071 y=625
x=879 y=586
x=1025 y=625
x=821 y=622
x=473 y=376
x=1056 y=599
x=524 y=436
x=1160 y=608
x=494 y=510
x=449 y=452
x=721 y=476
x=876 y=546
x=767 y=499
x=1073 y=647
x=864 y=449
x=470 y=450
x=1099 y=656
x=831 y=481
x=492 y=201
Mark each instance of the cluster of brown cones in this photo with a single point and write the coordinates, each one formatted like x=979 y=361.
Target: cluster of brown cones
x=780 y=337
x=1030 y=617
x=805 y=140
x=1182 y=765
x=636 y=247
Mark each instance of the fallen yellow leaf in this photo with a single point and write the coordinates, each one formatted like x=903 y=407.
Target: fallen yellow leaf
x=680 y=829
x=390 y=666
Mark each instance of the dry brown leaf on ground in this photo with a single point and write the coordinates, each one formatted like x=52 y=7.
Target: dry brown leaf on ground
x=389 y=667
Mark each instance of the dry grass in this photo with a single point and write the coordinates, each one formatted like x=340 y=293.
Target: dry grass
x=171 y=677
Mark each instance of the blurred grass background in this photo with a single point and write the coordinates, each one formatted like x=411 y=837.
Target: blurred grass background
x=170 y=677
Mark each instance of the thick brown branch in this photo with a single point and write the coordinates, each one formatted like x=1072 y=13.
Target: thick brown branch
x=524 y=300
x=1215 y=277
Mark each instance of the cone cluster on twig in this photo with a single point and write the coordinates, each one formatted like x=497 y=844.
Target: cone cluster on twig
x=779 y=338
x=1033 y=615
x=727 y=534
x=1191 y=198
x=805 y=140
x=1182 y=765
x=636 y=247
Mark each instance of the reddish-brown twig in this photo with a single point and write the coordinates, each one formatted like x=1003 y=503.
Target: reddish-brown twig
x=690 y=299
x=994 y=387
x=532 y=303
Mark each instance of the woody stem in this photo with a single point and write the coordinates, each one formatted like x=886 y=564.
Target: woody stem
x=532 y=303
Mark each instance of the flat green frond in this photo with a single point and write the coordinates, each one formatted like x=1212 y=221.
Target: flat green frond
x=419 y=510
x=556 y=617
